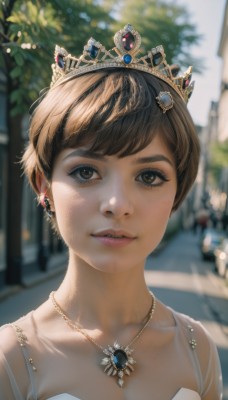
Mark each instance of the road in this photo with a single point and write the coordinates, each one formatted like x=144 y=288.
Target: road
x=181 y=279
x=178 y=277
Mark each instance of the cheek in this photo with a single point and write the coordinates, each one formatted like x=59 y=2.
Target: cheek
x=160 y=212
x=157 y=214
x=70 y=207
x=162 y=202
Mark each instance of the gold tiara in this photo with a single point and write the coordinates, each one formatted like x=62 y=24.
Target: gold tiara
x=125 y=54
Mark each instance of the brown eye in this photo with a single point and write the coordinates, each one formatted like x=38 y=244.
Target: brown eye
x=152 y=178
x=84 y=174
x=149 y=177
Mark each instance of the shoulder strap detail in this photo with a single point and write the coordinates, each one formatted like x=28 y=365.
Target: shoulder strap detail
x=192 y=341
x=31 y=368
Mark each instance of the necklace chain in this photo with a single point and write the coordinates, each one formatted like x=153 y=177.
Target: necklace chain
x=118 y=360
x=75 y=326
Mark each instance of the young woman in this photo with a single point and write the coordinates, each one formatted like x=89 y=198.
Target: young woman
x=112 y=153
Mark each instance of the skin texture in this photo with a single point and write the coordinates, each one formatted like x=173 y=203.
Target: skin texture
x=129 y=194
x=112 y=213
x=114 y=196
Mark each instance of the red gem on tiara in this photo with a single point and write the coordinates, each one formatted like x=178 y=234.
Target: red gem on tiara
x=60 y=61
x=128 y=41
x=125 y=54
x=186 y=82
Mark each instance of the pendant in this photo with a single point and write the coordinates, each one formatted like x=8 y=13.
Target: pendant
x=118 y=361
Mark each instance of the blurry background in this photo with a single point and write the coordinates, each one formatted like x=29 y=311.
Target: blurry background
x=192 y=33
x=209 y=18
x=190 y=269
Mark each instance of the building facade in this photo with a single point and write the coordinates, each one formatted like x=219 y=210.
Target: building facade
x=41 y=250
x=223 y=101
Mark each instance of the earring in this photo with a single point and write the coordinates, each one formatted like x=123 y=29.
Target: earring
x=44 y=201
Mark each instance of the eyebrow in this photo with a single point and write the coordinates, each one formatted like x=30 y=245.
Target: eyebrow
x=157 y=157
x=98 y=156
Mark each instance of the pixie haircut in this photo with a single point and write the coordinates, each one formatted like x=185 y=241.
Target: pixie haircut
x=115 y=112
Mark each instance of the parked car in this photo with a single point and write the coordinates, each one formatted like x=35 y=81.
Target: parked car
x=210 y=240
x=221 y=258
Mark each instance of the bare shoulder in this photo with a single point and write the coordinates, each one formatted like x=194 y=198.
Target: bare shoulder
x=7 y=337
x=12 y=335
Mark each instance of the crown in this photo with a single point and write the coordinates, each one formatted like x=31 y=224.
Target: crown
x=125 y=54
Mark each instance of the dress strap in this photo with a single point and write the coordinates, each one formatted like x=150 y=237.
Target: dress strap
x=186 y=328
x=31 y=368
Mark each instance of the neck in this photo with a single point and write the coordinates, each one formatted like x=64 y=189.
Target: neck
x=109 y=301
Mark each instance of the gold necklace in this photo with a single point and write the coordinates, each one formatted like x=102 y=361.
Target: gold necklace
x=118 y=360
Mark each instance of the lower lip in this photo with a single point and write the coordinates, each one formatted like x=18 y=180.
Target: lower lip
x=114 y=242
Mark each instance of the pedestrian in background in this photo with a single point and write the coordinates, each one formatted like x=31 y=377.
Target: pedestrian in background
x=112 y=153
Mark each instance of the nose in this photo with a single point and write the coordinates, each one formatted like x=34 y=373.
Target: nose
x=117 y=201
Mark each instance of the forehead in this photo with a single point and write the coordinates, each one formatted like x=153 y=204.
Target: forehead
x=156 y=150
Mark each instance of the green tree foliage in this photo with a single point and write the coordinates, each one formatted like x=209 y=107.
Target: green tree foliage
x=29 y=31
x=218 y=160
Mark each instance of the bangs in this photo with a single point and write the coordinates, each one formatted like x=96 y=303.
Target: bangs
x=118 y=114
x=112 y=112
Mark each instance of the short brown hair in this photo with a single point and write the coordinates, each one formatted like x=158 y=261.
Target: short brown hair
x=115 y=112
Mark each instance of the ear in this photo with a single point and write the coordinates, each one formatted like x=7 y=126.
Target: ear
x=42 y=184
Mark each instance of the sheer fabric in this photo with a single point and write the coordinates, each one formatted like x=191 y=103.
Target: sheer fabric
x=34 y=365
x=183 y=394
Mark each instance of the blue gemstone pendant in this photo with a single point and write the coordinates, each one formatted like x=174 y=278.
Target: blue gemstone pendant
x=118 y=362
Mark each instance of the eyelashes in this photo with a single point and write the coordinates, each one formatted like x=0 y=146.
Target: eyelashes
x=152 y=177
x=87 y=174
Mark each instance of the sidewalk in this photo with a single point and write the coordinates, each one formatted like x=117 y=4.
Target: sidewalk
x=18 y=301
x=35 y=278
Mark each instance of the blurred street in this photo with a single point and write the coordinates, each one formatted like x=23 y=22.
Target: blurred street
x=177 y=275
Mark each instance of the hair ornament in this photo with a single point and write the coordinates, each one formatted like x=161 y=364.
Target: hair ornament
x=125 y=54
x=165 y=101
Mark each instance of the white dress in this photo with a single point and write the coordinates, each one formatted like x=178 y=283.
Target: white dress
x=183 y=394
x=42 y=366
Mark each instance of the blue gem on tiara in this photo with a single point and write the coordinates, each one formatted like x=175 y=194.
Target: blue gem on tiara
x=127 y=58
x=126 y=53
x=93 y=51
x=157 y=59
